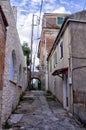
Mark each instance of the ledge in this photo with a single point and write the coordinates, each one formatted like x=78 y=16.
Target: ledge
x=12 y=81
x=59 y=71
x=19 y=85
x=24 y=68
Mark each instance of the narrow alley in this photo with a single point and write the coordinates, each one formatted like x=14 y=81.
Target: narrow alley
x=38 y=110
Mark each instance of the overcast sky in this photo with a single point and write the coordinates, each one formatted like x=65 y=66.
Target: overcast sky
x=25 y=9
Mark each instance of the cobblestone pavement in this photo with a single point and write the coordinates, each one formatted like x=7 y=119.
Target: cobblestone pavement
x=40 y=112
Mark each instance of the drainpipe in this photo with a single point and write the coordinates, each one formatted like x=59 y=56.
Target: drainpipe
x=46 y=67
x=72 y=93
x=71 y=78
x=46 y=75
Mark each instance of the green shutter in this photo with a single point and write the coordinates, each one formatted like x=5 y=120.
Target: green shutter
x=60 y=20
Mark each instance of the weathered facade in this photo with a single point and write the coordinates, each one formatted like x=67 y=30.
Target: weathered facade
x=3 y=25
x=51 y=24
x=15 y=68
x=66 y=63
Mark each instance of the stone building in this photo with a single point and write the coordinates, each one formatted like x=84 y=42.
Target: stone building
x=67 y=65
x=3 y=26
x=15 y=68
x=51 y=24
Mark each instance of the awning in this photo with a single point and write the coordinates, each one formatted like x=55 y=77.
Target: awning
x=60 y=71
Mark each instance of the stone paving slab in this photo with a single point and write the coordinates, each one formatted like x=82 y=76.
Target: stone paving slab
x=15 y=118
x=42 y=114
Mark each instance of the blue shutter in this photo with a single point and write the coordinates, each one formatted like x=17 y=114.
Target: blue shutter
x=11 y=67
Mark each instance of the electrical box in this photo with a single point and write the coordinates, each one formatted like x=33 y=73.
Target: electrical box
x=70 y=80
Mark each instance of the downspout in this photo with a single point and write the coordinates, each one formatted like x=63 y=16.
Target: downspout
x=72 y=93
x=46 y=80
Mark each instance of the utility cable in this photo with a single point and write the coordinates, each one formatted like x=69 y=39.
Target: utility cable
x=39 y=24
x=84 y=6
x=40 y=10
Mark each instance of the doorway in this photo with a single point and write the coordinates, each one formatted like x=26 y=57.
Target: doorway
x=65 y=91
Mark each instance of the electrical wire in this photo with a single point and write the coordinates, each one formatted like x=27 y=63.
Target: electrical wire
x=39 y=19
x=84 y=6
x=40 y=10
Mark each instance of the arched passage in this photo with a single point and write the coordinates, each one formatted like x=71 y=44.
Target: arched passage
x=34 y=80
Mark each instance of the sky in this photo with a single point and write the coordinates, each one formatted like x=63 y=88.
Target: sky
x=26 y=9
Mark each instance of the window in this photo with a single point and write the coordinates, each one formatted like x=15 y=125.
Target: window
x=50 y=22
x=55 y=58
x=60 y=20
x=55 y=86
x=61 y=50
x=12 y=66
x=20 y=75
x=50 y=65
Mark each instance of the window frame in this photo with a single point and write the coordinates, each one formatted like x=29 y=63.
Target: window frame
x=61 y=49
x=20 y=76
x=58 y=20
x=50 y=64
x=12 y=68
x=55 y=58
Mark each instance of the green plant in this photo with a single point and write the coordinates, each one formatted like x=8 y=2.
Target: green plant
x=26 y=51
x=22 y=96
x=13 y=110
x=48 y=93
x=6 y=125
x=43 y=88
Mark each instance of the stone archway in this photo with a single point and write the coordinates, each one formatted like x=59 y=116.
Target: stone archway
x=39 y=82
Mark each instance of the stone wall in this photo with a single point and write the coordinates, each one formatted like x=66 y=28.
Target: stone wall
x=0 y=104
x=3 y=25
x=78 y=45
x=74 y=58
x=12 y=89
